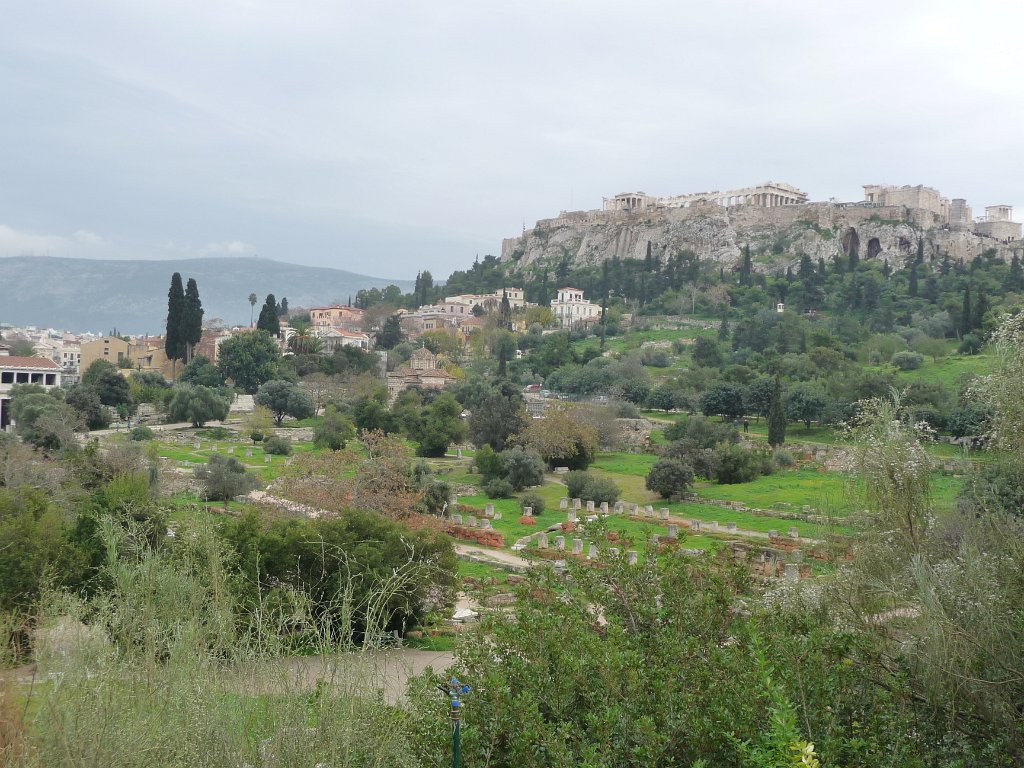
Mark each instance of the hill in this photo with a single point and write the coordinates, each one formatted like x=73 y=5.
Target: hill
x=777 y=236
x=96 y=295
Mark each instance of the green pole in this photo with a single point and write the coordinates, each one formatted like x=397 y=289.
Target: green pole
x=454 y=689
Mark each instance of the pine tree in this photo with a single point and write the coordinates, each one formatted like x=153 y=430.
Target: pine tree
x=282 y=307
x=173 y=341
x=268 y=317
x=191 y=319
x=776 y=417
x=506 y=311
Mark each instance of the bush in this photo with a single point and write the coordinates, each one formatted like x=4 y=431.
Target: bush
x=141 y=433
x=970 y=345
x=669 y=478
x=498 y=488
x=277 y=445
x=583 y=485
x=783 y=458
x=736 y=464
x=703 y=432
x=575 y=482
x=436 y=494
x=600 y=489
x=533 y=500
x=225 y=477
x=489 y=463
x=333 y=430
x=908 y=361
x=523 y=467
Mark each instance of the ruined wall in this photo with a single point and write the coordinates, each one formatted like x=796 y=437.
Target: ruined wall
x=719 y=234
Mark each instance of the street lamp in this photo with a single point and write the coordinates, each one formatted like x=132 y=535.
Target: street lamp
x=454 y=689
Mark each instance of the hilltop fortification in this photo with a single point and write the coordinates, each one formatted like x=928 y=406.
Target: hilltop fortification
x=775 y=220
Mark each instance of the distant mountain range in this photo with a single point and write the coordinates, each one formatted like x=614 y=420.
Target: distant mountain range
x=95 y=295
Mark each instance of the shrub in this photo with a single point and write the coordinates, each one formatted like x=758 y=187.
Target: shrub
x=575 y=481
x=970 y=345
x=533 y=500
x=600 y=489
x=783 y=458
x=225 y=477
x=908 y=361
x=489 y=463
x=436 y=494
x=583 y=485
x=333 y=430
x=669 y=478
x=141 y=433
x=277 y=445
x=498 y=488
x=703 y=432
x=523 y=467
x=736 y=464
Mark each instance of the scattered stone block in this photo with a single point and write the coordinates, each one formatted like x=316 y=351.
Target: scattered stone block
x=590 y=505
x=560 y=543
x=457 y=519
x=563 y=503
x=497 y=515
x=542 y=541
x=730 y=527
x=592 y=552
x=485 y=524
x=604 y=507
x=633 y=556
x=673 y=531
x=489 y=510
x=792 y=571
x=471 y=521
x=663 y=513
x=577 y=546
x=695 y=525
x=571 y=515
x=527 y=511
x=794 y=533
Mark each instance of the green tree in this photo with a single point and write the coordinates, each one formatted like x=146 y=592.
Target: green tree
x=669 y=478
x=496 y=416
x=523 y=467
x=268 y=320
x=191 y=319
x=806 y=403
x=199 y=405
x=283 y=398
x=503 y=347
x=253 y=298
x=224 y=478
x=86 y=401
x=43 y=418
x=724 y=399
x=201 y=371
x=103 y=377
x=391 y=334
x=249 y=359
x=332 y=430
x=705 y=352
x=174 y=344
x=439 y=426
x=776 y=416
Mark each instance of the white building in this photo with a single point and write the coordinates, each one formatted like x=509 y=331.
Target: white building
x=23 y=370
x=572 y=310
x=332 y=338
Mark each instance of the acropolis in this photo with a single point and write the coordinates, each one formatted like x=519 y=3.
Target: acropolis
x=767 y=195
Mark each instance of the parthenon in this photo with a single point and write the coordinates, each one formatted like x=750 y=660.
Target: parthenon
x=768 y=195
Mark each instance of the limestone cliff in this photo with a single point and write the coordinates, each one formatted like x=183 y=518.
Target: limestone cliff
x=777 y=236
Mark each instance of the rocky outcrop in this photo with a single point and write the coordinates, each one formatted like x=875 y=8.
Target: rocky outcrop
x=776 y=236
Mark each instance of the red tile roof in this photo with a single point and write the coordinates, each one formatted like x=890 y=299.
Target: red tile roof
x=10 y=361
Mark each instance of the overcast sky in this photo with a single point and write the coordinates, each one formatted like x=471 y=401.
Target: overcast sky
x=386 y=138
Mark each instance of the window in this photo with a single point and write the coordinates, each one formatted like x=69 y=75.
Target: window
x=51 y=379
x=7 y=377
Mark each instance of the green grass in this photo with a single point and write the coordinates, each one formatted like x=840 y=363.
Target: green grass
x=948 y=371
x=796 y=487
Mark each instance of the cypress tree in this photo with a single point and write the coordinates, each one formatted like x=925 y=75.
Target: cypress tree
x=191 y=319
x=746 y=266
x=912 y=281
x=978 y=310
x=776 y=417
x=1016 y=274
x=966 y=314
x=268 y=317
x=173 y=342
